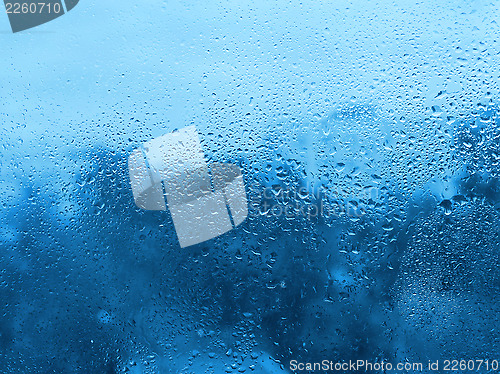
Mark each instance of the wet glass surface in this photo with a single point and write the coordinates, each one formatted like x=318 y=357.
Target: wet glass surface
x=368 y=138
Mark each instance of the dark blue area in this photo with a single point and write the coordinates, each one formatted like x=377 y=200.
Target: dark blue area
x=111 y=291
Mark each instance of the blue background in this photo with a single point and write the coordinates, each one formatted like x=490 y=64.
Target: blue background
x=389 y=106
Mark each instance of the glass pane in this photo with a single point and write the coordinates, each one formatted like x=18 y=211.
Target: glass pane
x=250 y=187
